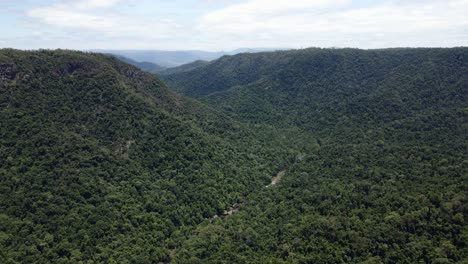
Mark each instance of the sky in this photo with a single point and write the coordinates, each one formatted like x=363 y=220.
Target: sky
x=216 y=25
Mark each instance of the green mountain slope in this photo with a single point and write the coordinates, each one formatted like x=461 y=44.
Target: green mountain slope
x=385 y=179
x=326 y=90
x=100 y=162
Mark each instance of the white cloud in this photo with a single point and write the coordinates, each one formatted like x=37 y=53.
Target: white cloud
x=92 y=4
x=83 y=15
x=250 y=23
x=335 y=22
x=259 y=14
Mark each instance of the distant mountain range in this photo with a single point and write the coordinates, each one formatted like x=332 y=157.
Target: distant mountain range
x=146 y=66
x=185 y=67
x=161 y=70
x=176 y=58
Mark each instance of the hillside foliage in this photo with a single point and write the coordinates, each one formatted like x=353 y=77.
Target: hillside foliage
x=386 y=176
x=101 y=162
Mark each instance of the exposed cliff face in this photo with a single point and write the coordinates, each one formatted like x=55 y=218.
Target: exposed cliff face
x=7 y=71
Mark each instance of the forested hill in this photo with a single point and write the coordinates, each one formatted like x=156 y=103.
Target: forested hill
x=296 y=67
x=318 y=88
x=386 y=180
x=100 y=162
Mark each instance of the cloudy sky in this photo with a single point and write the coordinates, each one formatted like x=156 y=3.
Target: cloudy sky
x=230 y=24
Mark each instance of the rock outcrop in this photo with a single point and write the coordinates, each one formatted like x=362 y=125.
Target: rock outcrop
x=7 y=71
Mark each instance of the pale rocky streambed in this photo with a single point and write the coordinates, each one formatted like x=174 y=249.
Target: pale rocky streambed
x=235 y=207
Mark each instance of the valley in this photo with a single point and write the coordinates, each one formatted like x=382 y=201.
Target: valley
x=301 y=156
x=377 y=122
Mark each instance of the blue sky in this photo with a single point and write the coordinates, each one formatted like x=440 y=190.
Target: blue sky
x=230 y=24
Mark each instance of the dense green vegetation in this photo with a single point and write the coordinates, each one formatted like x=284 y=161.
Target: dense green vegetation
x=102 y=163
x=386 y=178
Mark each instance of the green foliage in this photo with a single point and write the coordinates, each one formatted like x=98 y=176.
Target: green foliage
x=385 y=179
x=101 y=162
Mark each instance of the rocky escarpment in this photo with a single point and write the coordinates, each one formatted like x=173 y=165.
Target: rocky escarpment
x=7 y=71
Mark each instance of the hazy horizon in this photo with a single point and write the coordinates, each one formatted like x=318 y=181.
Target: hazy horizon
x=232 y=50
